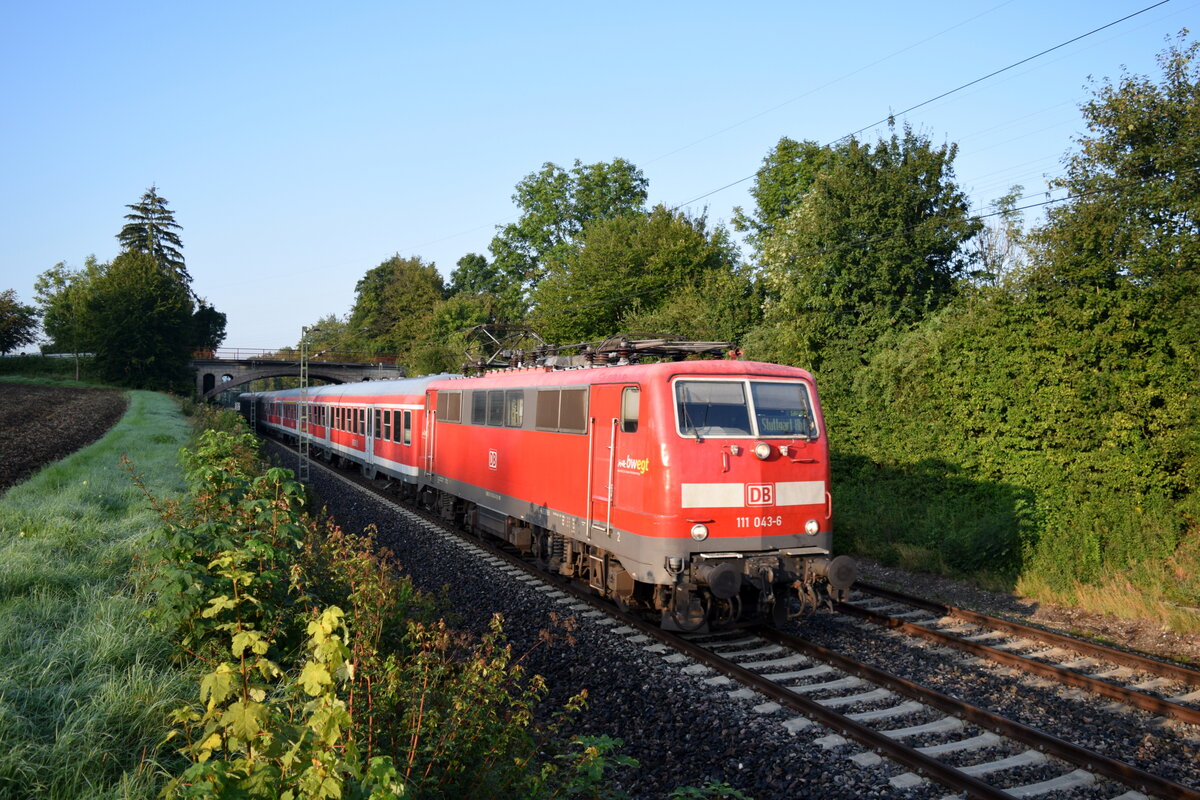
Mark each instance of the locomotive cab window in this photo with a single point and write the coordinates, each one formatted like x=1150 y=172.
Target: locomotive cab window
x=630 y=400
x=712 y=408
x=766 y=409
x=783 y=410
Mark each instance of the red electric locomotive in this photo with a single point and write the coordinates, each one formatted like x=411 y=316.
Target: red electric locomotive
x=699 y=489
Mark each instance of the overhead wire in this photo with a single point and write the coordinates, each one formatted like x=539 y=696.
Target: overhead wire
x=942 y=95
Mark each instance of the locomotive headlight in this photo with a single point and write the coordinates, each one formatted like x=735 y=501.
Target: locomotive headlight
x=699 y=531
x=812 y=527
x=762 y=450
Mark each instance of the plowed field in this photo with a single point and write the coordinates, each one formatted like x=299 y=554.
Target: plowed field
x=41 y=424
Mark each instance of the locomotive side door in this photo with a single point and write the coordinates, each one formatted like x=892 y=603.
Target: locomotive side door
x=604 y=434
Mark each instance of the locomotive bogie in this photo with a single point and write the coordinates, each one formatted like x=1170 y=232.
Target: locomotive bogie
x=695 y=489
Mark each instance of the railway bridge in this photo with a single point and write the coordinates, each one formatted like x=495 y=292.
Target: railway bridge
x=226 y=369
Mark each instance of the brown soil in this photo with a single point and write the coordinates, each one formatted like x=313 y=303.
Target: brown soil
x=41 y=424
x=1135 y=634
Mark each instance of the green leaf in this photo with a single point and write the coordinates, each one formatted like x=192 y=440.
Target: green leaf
x=314 y=678
x=244 y=720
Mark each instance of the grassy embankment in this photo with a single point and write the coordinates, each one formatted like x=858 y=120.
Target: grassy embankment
x=85 y=683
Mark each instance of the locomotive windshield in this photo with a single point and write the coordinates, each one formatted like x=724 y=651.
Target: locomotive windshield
x=781 y=409
x=722 y=408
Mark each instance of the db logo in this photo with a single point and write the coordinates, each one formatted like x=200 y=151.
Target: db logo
x=760 y=494
x=493 y=459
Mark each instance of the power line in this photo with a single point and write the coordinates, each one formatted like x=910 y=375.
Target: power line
x=943 y=94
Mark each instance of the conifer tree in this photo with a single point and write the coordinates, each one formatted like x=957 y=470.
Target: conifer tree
x=152 y=229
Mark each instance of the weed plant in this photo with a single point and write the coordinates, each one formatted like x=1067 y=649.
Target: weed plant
x=323 y=672
x=85 y=684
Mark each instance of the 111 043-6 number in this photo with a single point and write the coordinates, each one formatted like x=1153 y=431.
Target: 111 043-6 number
x=760 y=522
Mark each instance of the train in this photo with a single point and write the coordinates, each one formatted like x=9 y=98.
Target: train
x=697 y=490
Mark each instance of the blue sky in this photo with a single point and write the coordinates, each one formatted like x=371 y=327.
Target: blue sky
x=300 y=144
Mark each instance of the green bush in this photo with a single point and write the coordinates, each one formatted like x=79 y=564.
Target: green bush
x=325 y=674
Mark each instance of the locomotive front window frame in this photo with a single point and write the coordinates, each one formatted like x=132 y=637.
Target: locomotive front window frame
x=708 y=408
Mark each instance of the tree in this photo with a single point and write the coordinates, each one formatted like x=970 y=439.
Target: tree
x=482 y=282
x=555 y=206
x=393 y=304
x=1134 y=215
x=785 y=177
x=877 y=241
x=208 y=327
x=140 y=322
x=999 y=254
x=626 y=266
x=152 y=229
x=62 y=296
x=445 y=346
x=18 y=323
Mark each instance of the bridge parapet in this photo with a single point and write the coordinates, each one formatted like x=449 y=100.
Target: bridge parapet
x=215 y=375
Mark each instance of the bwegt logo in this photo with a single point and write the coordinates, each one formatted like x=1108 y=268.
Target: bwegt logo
x=638 y=465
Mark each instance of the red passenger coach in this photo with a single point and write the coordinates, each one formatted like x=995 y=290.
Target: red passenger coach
x=698 y=489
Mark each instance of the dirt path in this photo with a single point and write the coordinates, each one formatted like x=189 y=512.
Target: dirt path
x=41 y=424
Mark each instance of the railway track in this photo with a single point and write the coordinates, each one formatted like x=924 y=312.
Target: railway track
x=967 y=749
x=1170 y=690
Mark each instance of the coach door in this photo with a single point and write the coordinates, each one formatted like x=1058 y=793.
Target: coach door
x=604 y=434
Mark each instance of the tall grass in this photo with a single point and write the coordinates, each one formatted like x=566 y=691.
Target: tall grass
x=85 y=683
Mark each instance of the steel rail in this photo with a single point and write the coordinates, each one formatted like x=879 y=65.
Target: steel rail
x=1119 y=771
x=1054 y=672
x=1123 y=657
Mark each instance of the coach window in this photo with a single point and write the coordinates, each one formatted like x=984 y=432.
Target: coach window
x=496 y=408
x=449 y=406
x=407 y=427
x=630 y=401
x=387 y=424
x=362 y=421
x=514 y=408
x=378 y=422
x=478 y=408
